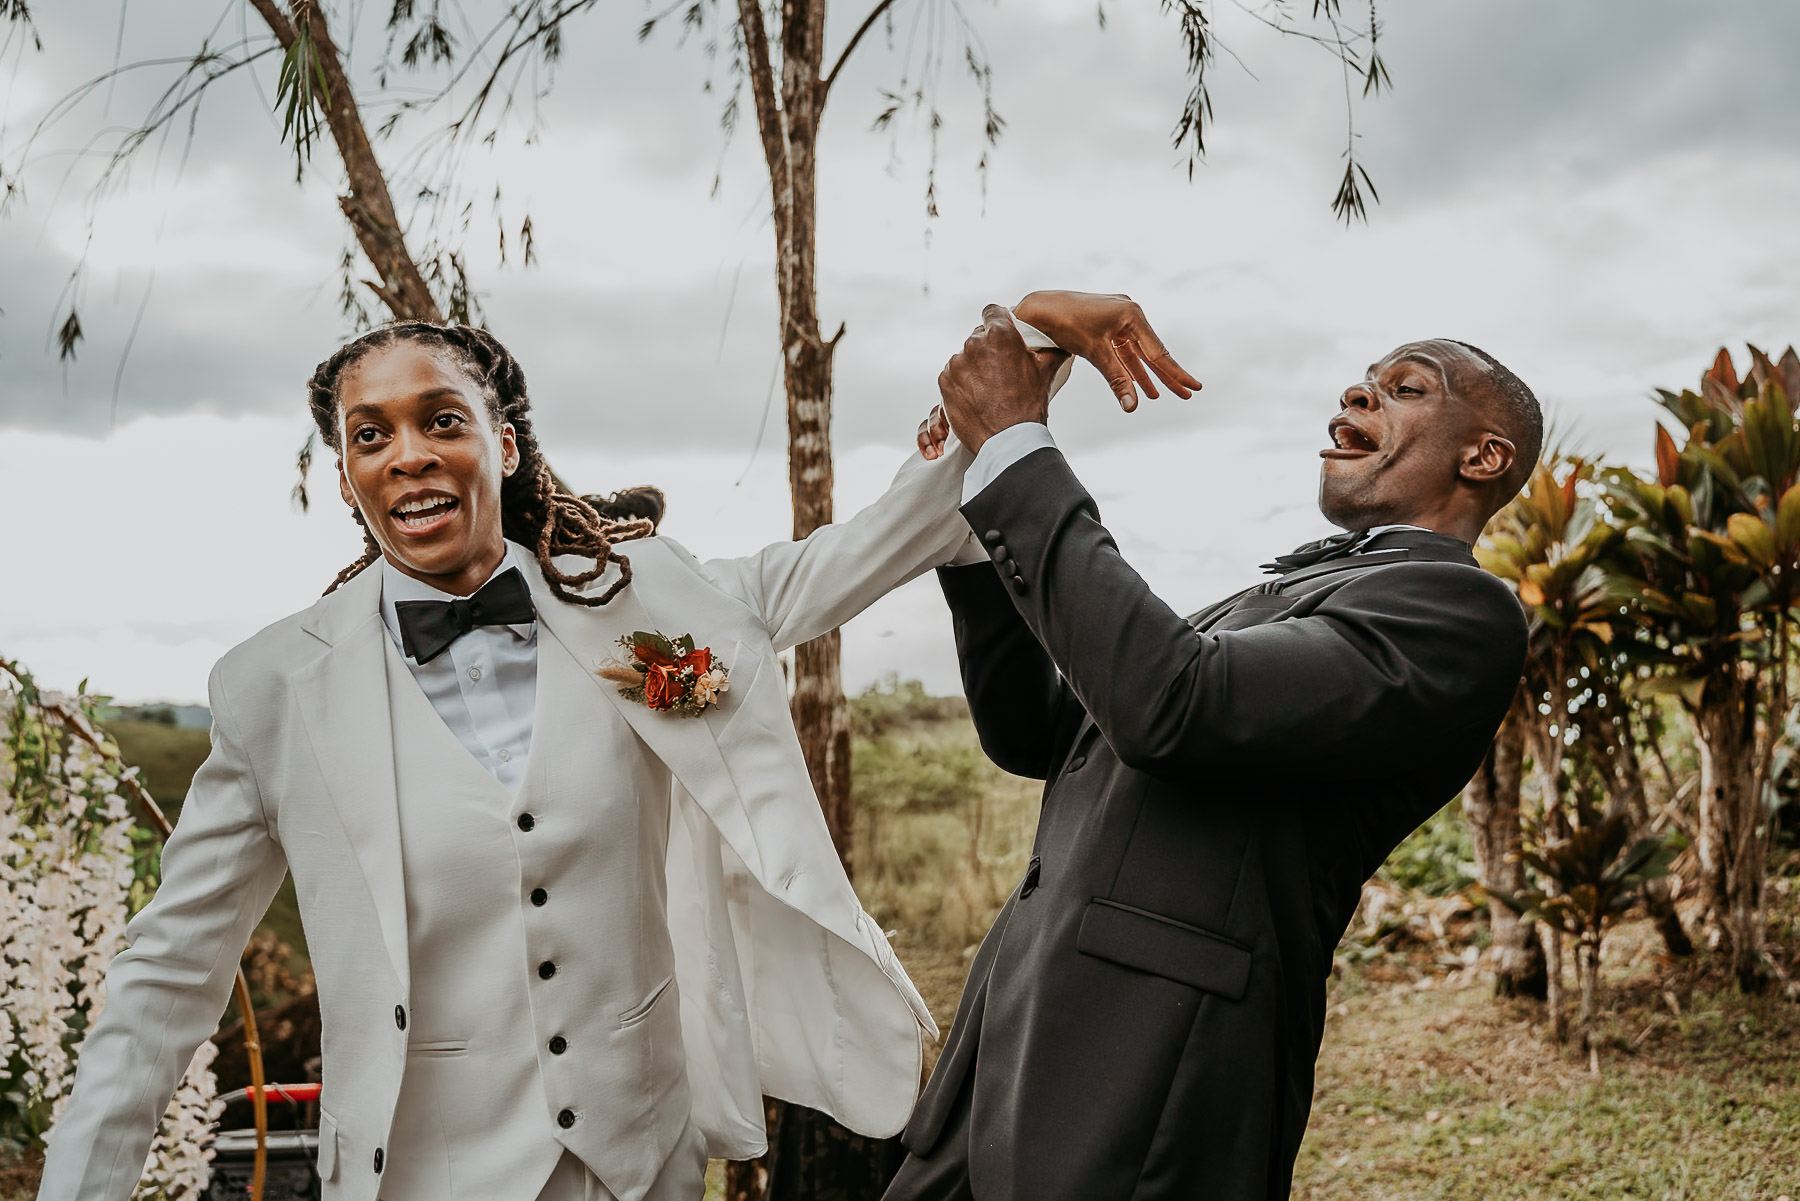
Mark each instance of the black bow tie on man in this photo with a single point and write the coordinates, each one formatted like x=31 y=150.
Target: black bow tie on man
x=427 y=628
x=1322 y=551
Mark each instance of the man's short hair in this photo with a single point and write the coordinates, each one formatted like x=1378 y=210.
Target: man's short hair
x=1520 y=417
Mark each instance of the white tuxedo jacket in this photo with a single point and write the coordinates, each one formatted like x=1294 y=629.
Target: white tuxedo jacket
x=786 y=986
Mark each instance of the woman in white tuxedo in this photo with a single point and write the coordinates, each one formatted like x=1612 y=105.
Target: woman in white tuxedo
x=567 y=932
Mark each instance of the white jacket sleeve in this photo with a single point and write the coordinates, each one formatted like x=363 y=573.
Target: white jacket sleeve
x=807 y=588
x=166 y=991
x=803 y=589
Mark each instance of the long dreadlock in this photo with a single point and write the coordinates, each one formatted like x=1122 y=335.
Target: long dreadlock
x=536 y=509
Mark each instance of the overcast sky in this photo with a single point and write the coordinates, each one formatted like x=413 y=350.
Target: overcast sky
x=1599 y=195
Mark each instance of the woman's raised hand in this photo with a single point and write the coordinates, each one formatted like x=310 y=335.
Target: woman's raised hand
x=1112 y=333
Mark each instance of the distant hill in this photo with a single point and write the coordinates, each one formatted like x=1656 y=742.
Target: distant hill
x=186 y=717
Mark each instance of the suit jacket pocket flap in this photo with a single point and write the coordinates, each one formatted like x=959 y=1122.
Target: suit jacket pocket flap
x=1149 y=942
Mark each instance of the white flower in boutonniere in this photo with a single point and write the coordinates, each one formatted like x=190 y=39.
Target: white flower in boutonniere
x=708 y=687
x=668 y=673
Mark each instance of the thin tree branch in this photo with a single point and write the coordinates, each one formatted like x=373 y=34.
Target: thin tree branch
x=855 y=39
x=769 y=120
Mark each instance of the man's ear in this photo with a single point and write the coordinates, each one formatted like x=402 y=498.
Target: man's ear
x=509 y=449
x=1488 y=460
x=344 y=486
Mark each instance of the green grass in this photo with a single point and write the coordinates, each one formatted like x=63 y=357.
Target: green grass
x=1443 y=1093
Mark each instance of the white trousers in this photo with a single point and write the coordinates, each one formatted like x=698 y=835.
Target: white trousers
x=683 y=1176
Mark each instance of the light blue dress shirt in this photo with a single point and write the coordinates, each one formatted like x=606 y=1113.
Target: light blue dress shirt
x=484 y=686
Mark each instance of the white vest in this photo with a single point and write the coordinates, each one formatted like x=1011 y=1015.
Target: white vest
x=540 y=1020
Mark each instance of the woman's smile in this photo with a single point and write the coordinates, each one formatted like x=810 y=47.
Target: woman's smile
x=419 y=513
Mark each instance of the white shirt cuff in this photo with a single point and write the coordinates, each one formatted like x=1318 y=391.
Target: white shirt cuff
x=1002 y=451
x=1037 y=339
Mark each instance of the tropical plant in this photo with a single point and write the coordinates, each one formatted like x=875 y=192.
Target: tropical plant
x=1707 y=577
x=1547 y=543
x=1593 y=872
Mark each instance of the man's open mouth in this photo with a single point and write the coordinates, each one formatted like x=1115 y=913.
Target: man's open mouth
x=1348 y=442
x=421 y=514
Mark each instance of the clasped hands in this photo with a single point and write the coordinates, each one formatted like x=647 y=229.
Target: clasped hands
x=997 y=381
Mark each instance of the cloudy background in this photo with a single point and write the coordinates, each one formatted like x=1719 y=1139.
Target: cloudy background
x=1600 y=195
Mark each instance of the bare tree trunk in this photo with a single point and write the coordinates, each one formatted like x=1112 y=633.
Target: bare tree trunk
x=1625 y=785
x=1491 y=806
x=1587 y=966
x=810 y=1156
x=368 y=206
x=1559 y=1018
x=1734 y=831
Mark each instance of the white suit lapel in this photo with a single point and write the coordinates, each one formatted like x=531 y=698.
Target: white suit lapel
x=343 y=701
x=684 y=744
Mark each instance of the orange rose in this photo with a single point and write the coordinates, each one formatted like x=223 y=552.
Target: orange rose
x=661 y=687
x=700 y=660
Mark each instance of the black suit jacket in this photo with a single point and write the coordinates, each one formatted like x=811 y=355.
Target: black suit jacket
x=1143 y=1019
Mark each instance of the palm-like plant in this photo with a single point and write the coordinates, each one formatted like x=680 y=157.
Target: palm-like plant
x=1550 y=544
x=1707 y=574
x=1593 y=873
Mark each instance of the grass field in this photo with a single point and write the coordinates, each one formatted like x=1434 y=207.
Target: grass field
x=1428 y=1089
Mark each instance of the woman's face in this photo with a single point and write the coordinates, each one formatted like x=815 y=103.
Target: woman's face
x=423 y=461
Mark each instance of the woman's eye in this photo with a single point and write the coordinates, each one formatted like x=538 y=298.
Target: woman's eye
x=444 y=421
x=366 y=434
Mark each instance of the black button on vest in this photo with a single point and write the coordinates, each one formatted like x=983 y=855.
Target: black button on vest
x=558 y=1045
x=539 y=896
x=566 y=1118
x=400 y=1016
x=546 y=970
x=526 y=821
x=378 y=1161
x=1030 y=883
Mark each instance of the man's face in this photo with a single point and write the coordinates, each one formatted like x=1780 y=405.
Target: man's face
x=1399 y=437
x=423 y=461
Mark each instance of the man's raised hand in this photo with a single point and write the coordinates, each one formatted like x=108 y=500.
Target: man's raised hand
x=995 y=382
x=1112 y=333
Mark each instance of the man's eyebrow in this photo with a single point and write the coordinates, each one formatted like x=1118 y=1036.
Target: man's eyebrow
x=1422 y=361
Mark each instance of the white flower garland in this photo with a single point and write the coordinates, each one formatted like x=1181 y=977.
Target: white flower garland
x=66 y=885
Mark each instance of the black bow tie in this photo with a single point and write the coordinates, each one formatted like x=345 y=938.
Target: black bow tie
x=427 y=628
x=1324 y=550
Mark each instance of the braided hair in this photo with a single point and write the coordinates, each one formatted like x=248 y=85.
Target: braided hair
x=536 y=509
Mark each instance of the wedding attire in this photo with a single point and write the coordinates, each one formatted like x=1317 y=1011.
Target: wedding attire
x=564 y=943
x=1143 y=1018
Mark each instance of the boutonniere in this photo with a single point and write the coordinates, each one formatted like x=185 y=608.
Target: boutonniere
x=668 y=673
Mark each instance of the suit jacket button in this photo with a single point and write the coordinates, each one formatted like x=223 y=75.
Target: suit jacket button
x=1000 y=553
x=1032 y=873
x=1018 y=584
x=546 y=970
x=566 y=1118
x=526 y=821
x=558 y=1045
x=539 y=896
x=1077 y=763
x=400 y=1016
x=992 y=537
x=378 y=1161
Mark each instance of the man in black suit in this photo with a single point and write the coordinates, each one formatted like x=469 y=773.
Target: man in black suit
x=1143 y=1019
